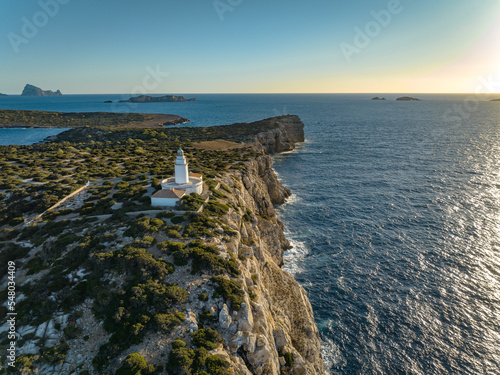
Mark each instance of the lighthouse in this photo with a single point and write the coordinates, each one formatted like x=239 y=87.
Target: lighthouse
x=181 y=169
x=174 y=188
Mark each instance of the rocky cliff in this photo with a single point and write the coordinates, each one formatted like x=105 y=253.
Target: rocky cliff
x=279 y=320
x=107 y=298
x=290 y=130
x=30 y=90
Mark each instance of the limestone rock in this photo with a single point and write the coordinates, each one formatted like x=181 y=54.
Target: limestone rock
x=224 y=317
x=30 y=90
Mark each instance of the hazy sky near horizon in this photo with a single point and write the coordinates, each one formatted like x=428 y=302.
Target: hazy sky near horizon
x=230 y=46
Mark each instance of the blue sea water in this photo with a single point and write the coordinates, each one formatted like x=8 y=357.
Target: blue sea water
x=25 y=136
x=394 y=218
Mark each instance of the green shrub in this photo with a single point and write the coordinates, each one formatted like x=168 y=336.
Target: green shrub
x=56 y=354
x=226 y=188
x=135 y=364
x=12 y=252
x=17 y=220
x=192 y=202
x=201 y=225
x=7 y=234
x=229 y=289
x=35 y=265
x=177 y=219
x=180 y=359
x=218 y=194
x=25 y=363
x=167 y=321
x=171 y=247
x=207 y=338
x=181 y=257
x=72 y=332
x=172 y=233
x=216 y=365
x=216 y=208
x=206 y=317
x=211 y=184
x=289 y=359
x=205 y=258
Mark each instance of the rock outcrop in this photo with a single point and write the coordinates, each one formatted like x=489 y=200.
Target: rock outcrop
x=30 y=90
x=157 y=99
x=283 y=137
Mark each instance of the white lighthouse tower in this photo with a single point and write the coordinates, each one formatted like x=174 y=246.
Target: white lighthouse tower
x=174 y=188
x=181 y=169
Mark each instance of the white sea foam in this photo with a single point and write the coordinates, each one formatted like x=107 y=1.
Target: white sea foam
x=292 y=258
x=294 y=198
x=332 y=355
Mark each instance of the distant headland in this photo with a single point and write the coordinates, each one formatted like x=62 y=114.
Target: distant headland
x=30 y=90
x=105 y=120
x=377 y=98
x=155 y=99
x=495 y=100
x=3 y=94
x=408 y=98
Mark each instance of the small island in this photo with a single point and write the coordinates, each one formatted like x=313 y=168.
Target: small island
x=377 y=98
x=408 y=98
x=495 y=100
x=30 y=90
x=157 y=99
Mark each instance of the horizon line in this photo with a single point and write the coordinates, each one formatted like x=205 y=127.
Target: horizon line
x=279 y=93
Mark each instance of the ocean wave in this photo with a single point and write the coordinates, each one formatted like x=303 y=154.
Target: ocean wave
x=293 y=257
x=294 y=198
x=332 y=356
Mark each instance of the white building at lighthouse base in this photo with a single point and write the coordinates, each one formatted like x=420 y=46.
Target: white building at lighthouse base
x=174 y=188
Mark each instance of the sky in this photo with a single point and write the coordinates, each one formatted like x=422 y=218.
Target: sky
x=250 y=46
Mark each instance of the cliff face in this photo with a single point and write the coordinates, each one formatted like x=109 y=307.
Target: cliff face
x=279 y=320
x=284 y=137
x=30 y=90
x=274 y=331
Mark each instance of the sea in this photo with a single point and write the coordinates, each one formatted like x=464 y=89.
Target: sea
x=394 y=220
